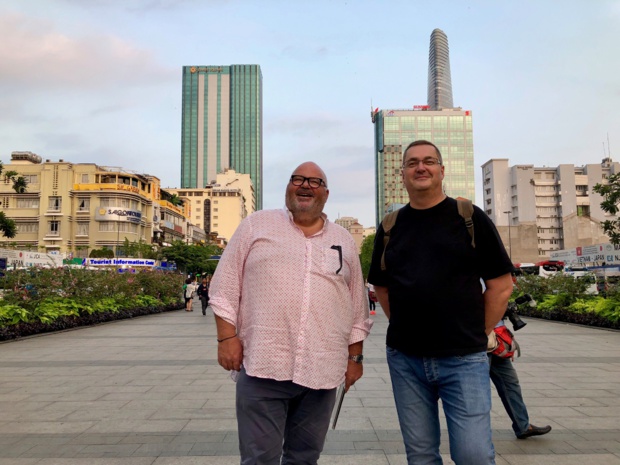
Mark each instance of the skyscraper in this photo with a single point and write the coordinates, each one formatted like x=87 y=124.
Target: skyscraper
x=439 y=80
x=222 y=124
x=450 y=129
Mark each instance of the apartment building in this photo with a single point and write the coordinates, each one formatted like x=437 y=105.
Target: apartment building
x=73 y=208
x=539 y=210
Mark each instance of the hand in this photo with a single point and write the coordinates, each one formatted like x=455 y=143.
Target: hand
x=354 y=372
x=230 y=354
x=492 y=342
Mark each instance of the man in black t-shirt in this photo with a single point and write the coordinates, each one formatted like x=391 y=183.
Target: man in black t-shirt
x=431 y=292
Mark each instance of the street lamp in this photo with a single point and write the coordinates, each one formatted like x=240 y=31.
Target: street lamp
x=509 y=213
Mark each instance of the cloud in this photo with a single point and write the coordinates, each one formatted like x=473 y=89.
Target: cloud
x=35 y=55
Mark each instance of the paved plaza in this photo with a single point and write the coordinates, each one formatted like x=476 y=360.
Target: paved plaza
x=149 y=391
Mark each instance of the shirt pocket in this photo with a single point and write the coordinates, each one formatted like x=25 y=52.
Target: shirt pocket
x=332 y=261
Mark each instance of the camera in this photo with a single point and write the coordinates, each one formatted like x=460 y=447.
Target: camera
x=511 y=311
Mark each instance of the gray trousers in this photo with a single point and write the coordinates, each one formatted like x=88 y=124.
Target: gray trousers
x=281 y=422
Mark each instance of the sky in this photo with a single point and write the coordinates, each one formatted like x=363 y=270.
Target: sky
x=99 y=81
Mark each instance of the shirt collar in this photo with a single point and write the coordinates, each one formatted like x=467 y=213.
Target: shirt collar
x=323 y=215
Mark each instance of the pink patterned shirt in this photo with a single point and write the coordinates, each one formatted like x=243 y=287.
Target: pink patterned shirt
x=296 y=304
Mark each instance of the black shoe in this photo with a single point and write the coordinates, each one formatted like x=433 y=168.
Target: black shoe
x=204 y=313
x=534 y=431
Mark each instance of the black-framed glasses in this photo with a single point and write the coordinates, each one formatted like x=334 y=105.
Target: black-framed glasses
x=428 y=161
x=314 y=183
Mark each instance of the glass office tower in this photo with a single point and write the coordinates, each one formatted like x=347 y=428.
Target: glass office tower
x=450 y=130
x=222 y=124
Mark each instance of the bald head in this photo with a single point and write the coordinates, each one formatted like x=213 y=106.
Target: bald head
x=312 y=167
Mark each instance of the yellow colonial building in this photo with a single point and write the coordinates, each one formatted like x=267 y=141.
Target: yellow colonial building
x=73 y=208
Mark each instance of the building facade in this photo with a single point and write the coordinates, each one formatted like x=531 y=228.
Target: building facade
x=73 y=208
x=449 y=129
x=539 y=210
x=219 y=207
x=222 y=125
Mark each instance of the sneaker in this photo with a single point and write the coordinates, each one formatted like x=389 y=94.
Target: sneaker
x=372 y=312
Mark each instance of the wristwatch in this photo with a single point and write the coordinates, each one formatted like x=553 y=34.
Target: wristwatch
x=356 y=358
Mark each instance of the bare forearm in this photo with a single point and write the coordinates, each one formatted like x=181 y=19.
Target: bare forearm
x=496 y=300
x=224 y=328
x=382 y=296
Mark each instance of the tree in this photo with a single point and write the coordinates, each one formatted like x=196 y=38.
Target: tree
x=366 y=254
x=192 y=258
x=139 y=249
x=611 y=193
x=8 y=228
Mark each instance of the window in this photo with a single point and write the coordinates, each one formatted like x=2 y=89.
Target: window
x=83 y=205
x=198 y=202
x=197 y=209
x=107 y=226
x=198 y=217
x=31 y=178
x=82 y=229
x=27 y=227
x=84 y=178
x=27 y=203
x=54 y=228
x=55 y=203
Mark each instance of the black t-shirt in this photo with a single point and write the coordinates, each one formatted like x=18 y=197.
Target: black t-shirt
x=433 y=277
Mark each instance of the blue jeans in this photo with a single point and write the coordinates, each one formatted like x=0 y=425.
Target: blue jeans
x=506 y=382
x=462 y=383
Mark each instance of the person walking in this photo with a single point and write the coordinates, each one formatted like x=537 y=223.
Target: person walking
x=188 y=292
x=372 y=298
x=291 y=315
x=203 y=294
x=430 y=289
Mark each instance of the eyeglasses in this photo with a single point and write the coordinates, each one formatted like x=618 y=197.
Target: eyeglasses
x=314 y=183
x=414 y=162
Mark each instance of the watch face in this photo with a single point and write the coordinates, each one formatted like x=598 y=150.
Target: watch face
x=356 y=358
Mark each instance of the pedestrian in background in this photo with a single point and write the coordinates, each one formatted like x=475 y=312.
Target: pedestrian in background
x=291 y=315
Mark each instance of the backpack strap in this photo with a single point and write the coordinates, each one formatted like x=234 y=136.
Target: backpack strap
x=388 y=222
x=466 y=210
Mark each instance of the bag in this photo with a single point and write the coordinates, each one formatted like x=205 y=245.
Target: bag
x=372 y=296
x=189 y=291
x=506 y=344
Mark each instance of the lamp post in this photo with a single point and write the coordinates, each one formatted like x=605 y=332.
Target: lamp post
x=509 y=213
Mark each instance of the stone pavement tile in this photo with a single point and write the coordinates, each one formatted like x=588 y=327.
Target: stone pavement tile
x=214 y=448
x=20 y=461
x=90 y=439
x=157 y=450
x=150 y=395
x=591 y=393
x=40 y=415
x=102 y=414
x=38 y=427
x=108 y=450
x=598 y=446
x=543 y=401
x=25 y=406
x=55 y=451
x=607 y=411
x=598 y=423
x=359 y=459
x=193 y=414
x=210 y=425
x=560 y=459
x=191 y=438
x=613 y=401
x=98 y=461
x=204 y=460
x=138 y=426
x=175 y=403
x=15 y=450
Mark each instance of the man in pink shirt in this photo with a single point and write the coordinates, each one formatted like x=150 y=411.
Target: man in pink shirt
x=291 y=314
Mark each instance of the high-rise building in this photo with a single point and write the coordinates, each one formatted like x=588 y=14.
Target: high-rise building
x=222 y=125
x=450 y=129
x=439 y=80
x=540 y=210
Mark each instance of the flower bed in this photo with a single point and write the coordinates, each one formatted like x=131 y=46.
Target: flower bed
x=39 y=301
